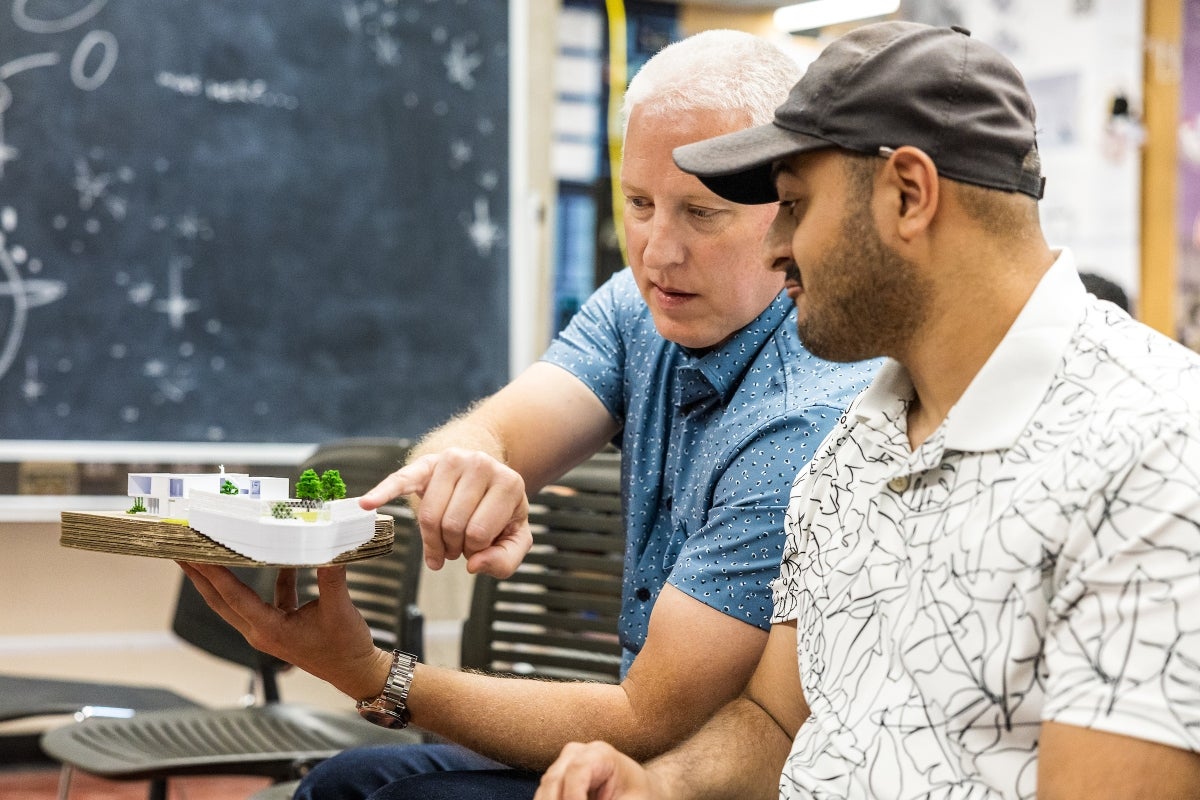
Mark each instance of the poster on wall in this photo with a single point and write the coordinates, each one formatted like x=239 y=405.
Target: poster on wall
x=1188 y=198
x=1086 y=86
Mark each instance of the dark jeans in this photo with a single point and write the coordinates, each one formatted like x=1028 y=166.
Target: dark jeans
x=415 y=772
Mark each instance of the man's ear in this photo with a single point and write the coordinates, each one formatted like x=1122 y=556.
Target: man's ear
x=911 y=178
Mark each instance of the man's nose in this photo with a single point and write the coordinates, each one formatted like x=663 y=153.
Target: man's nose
x=777 y=244
x=664 y=243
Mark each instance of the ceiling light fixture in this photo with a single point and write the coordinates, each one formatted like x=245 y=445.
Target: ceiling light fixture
x=821 y=13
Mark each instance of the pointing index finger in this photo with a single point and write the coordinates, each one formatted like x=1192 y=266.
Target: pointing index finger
x=411 y=479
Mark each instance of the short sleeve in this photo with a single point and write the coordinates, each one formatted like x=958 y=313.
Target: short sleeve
x=592 y=347
x=1122 y=647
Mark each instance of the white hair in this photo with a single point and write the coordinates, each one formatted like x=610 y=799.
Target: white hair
x=717 y=70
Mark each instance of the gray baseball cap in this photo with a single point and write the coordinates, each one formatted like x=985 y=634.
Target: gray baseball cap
x=888 y=85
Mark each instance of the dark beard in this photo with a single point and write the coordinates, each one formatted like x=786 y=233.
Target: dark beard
x=871 y=301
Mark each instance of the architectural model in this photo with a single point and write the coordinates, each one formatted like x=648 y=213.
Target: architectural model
x=255 y=516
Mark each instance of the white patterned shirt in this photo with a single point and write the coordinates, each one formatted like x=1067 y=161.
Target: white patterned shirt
x=1037 y=558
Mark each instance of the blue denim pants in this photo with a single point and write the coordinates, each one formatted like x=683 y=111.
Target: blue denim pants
x=415 y=772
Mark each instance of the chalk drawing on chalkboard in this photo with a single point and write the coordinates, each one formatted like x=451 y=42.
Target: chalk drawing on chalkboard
x=8 y=70
x=460 y=64
x=32 y=387
x=87 y=73
x=202 y=167
x=246 y=91
x=100 y=188
x=483 y=232
x=175 y=305
x=376 y=23
x=97 y=188
x=26 y=293
x=460 y=153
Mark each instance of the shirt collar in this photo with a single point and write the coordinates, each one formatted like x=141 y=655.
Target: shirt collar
x=1003 y=395
x=704 y=376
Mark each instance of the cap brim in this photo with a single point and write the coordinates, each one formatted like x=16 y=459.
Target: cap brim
x=737 y=166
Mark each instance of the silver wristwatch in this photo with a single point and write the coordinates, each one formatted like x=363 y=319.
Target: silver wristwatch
x=390 y=708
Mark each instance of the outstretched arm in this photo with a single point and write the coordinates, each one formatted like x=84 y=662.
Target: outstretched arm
x=739 y=753
x=469 y=479
x=694 y=661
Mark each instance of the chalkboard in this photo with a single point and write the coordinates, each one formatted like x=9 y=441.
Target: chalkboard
x=250 y=220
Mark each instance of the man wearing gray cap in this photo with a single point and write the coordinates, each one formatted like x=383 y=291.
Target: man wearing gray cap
x=992 y=570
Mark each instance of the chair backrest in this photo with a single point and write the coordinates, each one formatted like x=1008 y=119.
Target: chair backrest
x=556 y=617
x=199 y=625
x=383 y=588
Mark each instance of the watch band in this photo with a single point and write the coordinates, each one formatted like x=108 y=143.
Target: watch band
x=390 y=708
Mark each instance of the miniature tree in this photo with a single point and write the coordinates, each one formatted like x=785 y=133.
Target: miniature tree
x=138 y=507
x=308 y=487
x=228 y=487
x=332 y=485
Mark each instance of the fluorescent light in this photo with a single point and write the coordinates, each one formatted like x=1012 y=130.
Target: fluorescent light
x=820 y=13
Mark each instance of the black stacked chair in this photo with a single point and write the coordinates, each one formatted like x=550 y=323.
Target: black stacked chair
x=556 y=617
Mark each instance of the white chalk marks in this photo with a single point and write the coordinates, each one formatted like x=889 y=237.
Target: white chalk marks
x=246 y=91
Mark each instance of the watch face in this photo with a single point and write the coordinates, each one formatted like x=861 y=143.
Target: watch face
x=384 y=719
x=389 y=709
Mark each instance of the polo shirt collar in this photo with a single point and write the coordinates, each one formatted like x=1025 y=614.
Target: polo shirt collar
x=1007 y=390
x=705 y=376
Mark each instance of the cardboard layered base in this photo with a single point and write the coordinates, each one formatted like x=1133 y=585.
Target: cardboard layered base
x=154 y=537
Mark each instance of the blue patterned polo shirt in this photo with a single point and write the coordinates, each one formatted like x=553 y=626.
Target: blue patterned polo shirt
x=710 y=443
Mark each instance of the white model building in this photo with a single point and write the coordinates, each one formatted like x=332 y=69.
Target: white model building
x=260 y=522
x=166 y=494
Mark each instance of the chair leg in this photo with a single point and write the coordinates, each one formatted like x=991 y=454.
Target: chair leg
x=158 y=789
x=64 y=782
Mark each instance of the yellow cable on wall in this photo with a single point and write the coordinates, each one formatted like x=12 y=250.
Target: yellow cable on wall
x=617 y=78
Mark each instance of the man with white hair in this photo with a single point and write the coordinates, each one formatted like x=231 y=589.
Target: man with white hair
x=690 y=363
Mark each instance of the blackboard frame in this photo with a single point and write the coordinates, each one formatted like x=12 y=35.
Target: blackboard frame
x=444 y=380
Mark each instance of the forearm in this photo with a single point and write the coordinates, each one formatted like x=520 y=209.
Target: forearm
x=526 y=722
x=471 y=430
x=1083 y=762
x=540 y=425
x=695 y=660
x=739 y=753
